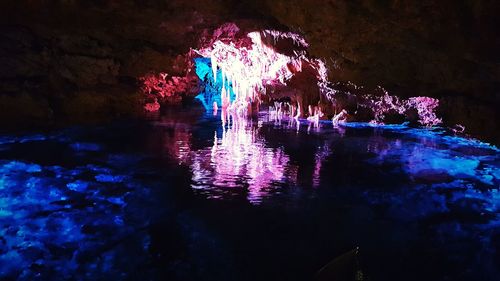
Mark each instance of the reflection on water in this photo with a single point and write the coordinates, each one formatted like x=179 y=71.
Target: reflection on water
x=253 y=157
x=238 y=158
x=129 y=201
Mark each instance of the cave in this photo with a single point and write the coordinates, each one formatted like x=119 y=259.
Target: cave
x=249 y=140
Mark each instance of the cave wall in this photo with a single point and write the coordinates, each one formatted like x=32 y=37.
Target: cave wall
x=446 y=49
x=74 y=59
x=77 y=60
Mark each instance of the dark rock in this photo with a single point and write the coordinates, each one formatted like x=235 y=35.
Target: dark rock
x=61 y=59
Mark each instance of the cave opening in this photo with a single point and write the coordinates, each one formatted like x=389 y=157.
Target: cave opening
x=240 y=72
x=237 y=71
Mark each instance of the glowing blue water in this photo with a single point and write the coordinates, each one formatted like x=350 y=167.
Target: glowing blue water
x=138 y=201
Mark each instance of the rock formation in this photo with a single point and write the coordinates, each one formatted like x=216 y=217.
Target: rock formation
x=74 y=60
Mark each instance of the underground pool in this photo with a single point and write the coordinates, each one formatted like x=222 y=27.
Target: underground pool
x=191 y=196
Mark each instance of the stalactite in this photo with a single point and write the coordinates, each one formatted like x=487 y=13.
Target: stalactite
x=247 y=69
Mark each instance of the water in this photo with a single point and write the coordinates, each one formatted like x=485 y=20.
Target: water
x=187 y=198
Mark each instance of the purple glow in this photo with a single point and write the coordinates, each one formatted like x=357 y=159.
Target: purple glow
x=252 y=66
x=249 y=66
x=426 y=107
x=238 y=157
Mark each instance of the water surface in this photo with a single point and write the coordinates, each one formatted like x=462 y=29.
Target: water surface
x=187 y=197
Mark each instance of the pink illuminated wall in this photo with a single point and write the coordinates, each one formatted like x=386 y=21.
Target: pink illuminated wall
x=251 y=66
x=253 y=63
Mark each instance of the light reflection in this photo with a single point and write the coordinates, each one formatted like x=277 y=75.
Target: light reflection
x=239 y=158
x=432 y=156
x=322 y=153
x=86 y=202
x=245 y=158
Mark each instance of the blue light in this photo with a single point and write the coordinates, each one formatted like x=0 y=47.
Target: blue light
x=42 y=214
x=20 y=166
x=109 y=178
x=37 y=137
x=211 y=91
x=78 y=185
x=82 y=217
x=84 y=146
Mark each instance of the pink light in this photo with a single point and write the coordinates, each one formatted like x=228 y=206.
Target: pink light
x=315 y=114
x=426 y=108
x=381 y=105
x=319 y=157
x=250 y=67
x=153 y=106
x=339 y=118
x=239 y=156
x=238 y=159
x=162 y=85
x=261 y=61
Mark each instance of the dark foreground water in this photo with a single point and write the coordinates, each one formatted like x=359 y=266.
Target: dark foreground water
x=183 y=198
